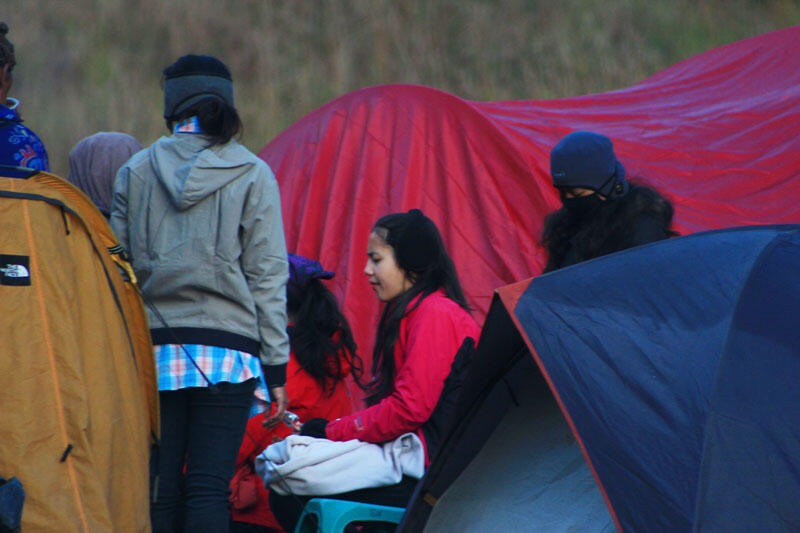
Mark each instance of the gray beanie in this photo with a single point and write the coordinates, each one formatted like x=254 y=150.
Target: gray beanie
x=586 y=159
x=194 y=78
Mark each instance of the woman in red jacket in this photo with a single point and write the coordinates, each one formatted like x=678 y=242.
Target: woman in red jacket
x=323 y=354
x=423 y=325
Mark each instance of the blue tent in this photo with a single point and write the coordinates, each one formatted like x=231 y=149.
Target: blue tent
x=665 y=396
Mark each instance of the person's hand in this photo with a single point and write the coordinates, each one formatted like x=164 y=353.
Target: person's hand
x=281 y=401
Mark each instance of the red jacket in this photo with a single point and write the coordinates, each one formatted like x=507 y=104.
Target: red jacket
x=307 y=400
x=429 y=338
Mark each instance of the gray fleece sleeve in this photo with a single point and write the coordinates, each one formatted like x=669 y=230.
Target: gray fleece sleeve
x=267 y=270
x=119 y=207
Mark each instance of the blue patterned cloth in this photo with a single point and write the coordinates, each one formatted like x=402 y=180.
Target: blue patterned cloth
x=176 y=371
x=19 y=146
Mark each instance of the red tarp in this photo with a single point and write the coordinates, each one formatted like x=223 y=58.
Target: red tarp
x=717 y=133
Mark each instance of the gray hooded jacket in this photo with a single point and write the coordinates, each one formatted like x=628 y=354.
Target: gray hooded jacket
x=204 y=231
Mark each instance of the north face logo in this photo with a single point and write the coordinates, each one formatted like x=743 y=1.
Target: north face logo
x=14 y=270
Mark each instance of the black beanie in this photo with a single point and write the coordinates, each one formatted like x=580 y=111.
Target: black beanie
x=417 y=243
x=194 y=78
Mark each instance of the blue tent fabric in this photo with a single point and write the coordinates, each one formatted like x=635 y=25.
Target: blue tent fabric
x=752 y=445
x=12 y=497
x=677 y=364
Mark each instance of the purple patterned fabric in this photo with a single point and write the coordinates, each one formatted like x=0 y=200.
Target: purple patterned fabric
x=302 y=270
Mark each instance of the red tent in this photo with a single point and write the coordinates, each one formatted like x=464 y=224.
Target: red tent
x=717 y=133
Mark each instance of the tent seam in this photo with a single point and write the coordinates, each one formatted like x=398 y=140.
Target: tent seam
x=756 y=266
x=51 y=359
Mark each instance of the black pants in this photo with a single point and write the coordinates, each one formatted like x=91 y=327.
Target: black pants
x=202 y=429
x=287 y=509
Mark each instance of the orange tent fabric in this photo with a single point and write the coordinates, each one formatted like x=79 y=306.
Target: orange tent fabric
x=77 y=382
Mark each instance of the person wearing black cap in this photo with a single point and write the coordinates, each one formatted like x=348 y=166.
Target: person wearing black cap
x=424 y=325
x=601 y=211
x=200 y=216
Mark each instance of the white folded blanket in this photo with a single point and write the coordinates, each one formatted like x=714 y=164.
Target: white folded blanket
x=318 y=467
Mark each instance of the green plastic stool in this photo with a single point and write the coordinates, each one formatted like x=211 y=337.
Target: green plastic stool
x=321 y=515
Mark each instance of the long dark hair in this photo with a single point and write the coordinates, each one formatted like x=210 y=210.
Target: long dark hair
x=219 y=120
x=321 y=337
x=609 y=228
x=419 y=251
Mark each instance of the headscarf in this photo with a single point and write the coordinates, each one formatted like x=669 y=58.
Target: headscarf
x=94 y=162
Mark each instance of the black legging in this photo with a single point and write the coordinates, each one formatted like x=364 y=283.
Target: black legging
x=287 y=509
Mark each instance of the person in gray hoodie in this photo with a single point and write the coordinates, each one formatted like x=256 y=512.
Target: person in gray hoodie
x=200 y=217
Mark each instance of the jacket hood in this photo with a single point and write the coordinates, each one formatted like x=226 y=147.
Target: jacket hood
x=190 y=172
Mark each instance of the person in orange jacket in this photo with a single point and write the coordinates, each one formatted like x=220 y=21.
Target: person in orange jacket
x=323 y=355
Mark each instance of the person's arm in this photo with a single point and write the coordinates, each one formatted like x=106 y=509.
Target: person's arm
x=119 y=207
x=434 y=337
x=266 y=269
x=280 y=399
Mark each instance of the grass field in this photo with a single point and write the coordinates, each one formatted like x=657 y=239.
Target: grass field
x=95 y=65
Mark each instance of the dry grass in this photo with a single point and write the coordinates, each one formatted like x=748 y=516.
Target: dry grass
x=92 y=65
